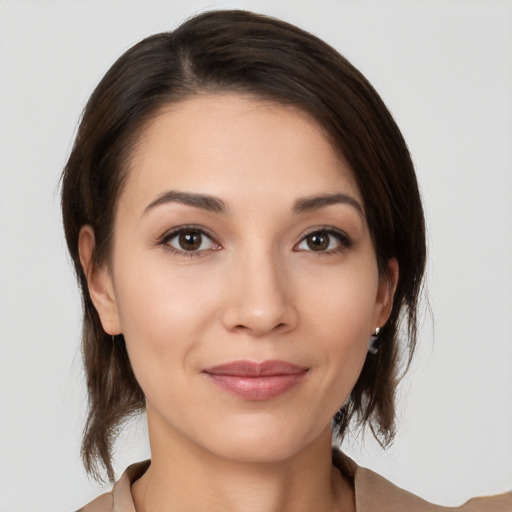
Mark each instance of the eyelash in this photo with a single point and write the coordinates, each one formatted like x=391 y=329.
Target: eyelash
x=344 y=240
x=181 y=230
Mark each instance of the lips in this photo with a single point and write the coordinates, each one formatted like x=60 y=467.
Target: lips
x=256 y=381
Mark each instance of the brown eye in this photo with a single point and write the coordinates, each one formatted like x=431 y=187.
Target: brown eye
x=318 y=241
x=328 y=241
x=190 y=241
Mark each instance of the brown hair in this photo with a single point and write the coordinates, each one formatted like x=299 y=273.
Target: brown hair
x=241 y=52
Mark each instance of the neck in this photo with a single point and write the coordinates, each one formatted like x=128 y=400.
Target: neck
x=184 y=477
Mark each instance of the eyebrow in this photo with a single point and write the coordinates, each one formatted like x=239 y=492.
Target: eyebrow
x=308 y=204
x=203 y=201
x=216 y=205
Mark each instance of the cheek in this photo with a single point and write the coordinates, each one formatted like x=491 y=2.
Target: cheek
x=163 y=313
x=344 y=303
x=341 y=316
x=154 y=291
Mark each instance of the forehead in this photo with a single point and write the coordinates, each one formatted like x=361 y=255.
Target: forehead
x=234 y=146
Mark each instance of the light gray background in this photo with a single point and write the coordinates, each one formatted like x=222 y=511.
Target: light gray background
x=445 y=70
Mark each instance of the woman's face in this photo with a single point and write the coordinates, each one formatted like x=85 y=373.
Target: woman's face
x=243 y=277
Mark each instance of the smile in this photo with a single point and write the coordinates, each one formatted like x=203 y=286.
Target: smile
x=256 y=381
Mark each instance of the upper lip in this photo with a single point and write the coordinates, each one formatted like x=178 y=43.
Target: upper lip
x=253 y=369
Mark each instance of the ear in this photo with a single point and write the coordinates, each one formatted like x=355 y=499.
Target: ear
x=386 y=293
x=99 y=283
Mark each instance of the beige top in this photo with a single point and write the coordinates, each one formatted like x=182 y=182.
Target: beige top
x=373 y=494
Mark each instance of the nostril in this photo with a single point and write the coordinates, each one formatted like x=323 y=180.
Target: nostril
x=241 y=327
x=246 y=317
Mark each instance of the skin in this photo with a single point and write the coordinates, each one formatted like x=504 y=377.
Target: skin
x=257 y=288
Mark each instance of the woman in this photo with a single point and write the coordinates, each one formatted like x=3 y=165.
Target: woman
x=246 y=225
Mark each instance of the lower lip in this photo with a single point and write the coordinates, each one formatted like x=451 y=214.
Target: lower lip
x=258 y=388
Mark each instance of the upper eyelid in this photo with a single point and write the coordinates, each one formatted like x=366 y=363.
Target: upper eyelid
x=165 y=239
x=171 y=233
x=326 y=229
x=344 y=239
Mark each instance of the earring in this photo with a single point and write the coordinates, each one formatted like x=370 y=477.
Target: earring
x=374 y=342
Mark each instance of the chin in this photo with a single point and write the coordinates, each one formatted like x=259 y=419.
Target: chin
x=263 y=442
x=260 y=453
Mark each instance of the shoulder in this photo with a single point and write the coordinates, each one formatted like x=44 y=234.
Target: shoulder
x=375 y=493
x=103 y=503
x=120 y=498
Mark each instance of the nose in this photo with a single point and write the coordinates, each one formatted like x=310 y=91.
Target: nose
x=260 y=300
